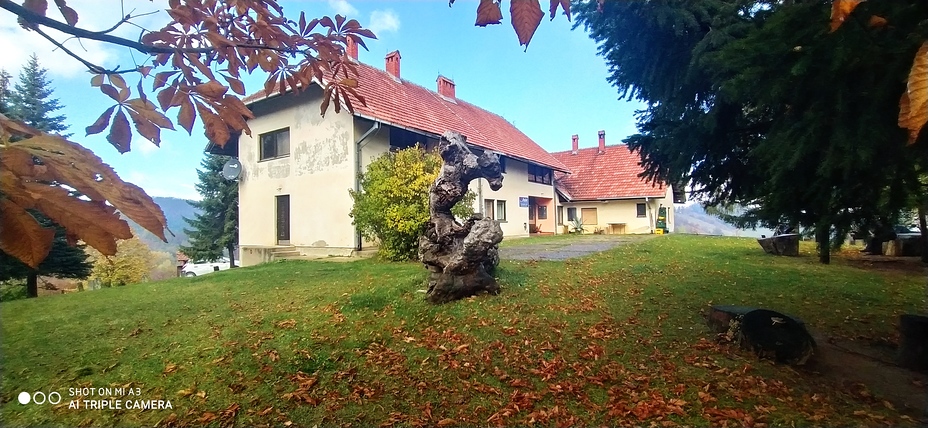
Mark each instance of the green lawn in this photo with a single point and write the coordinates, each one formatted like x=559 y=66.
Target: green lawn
x=617 y=338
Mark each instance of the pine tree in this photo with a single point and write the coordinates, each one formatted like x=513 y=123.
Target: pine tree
x=5 y=106
x=30 y=102
x=757 y=104
x=215 y=228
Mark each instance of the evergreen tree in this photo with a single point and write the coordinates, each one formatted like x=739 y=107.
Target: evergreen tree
x=215 y=228
x=30 y=102
x=5 y=94
x=755 y=103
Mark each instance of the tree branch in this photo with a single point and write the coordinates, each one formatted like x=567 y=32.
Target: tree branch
x=37 y=19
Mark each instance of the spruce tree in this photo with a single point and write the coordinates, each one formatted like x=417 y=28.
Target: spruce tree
x=30 y=101
x=757 y=104
x=215 y=228
x=5 y=81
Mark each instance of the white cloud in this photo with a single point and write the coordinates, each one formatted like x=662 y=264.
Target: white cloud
x=146 y=147
x=342 y=7
x=384 y=21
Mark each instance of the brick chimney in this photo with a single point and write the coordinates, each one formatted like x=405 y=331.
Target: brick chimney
x=575 y=144
x=393 y=63
x=445 y=86
x=352 y=49
x=602 y=142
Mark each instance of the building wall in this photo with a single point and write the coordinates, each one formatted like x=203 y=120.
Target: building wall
x=515 y=185
x=623 y=211
x=316 y=174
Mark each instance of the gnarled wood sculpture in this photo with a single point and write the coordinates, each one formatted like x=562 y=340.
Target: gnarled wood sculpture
x=460 y=257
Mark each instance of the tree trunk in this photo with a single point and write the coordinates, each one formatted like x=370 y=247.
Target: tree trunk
x=923 y=227
x=32 y=284
x=460 y=257
x=231 y=249
x=823 y=239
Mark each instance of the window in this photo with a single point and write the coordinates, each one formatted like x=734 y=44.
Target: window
x=571 y=214
x=488 y=208
x=502 y=164
x=501 y=210
x=539 y=174
x=641 y=210
x=560 y=215
x=542 y=212
x=275 y=144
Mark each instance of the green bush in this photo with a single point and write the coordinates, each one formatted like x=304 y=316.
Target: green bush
x=393 y=205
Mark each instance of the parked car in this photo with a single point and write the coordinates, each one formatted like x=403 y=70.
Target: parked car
x=203 y=268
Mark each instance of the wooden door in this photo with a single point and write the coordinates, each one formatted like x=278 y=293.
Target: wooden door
x=283 y=220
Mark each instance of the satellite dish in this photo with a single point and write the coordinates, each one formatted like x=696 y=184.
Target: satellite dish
x=232 y=170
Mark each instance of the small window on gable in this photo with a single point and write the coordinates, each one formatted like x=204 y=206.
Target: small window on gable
x=539 y=174
x=640 y=208
x=502 y=164
x=275 y=144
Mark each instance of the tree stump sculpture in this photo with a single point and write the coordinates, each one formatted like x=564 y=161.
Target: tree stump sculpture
x=460 y=257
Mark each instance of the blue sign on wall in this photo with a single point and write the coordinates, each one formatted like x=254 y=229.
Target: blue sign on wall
x=523 y=202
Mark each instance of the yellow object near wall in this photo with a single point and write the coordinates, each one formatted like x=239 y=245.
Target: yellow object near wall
x=659 y=231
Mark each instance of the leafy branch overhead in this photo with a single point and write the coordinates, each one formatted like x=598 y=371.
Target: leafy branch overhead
x=72 y=187
x=525 y=15
x=195 y=63
x=913 y=105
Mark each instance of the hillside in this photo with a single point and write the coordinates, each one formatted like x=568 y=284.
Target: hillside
x=694 y=219
x=175 y=210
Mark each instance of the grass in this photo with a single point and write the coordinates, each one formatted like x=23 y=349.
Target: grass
x=614 y=338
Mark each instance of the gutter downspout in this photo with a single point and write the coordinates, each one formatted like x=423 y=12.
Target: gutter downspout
x=357 y=172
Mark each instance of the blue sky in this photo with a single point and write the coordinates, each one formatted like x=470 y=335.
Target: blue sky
x=554 y=90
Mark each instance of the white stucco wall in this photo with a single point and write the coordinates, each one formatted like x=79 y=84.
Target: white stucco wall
x=624 y=211
x=515 y=185
x=317 y=174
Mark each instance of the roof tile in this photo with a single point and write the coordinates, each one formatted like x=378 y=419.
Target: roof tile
x=408 y=105
x=610 y=175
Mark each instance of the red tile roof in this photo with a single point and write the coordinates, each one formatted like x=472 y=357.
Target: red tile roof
x=407 y=105
x=611 y=175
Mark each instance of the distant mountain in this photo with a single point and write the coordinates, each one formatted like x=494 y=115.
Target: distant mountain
x=175 y=210
x=694 y=219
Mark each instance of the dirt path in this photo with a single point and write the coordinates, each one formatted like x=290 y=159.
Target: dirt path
x=566 y=247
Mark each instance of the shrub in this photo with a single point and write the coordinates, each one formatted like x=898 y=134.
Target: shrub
x=393 y=204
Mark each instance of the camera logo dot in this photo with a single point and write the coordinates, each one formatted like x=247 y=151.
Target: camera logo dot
x=39 y=397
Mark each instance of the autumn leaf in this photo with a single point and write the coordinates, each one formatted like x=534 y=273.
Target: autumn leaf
x=69 y=14
x=488 y=13
x=564 y=4
x=102 y=122
x=212 y=89
x=216 y=129
x=913 y=106
x=170 y=368
x=840 y=10
x=38 y=7
x=120 y=134
x=526 y=15
x=877 y=21
x=21 y=236
x=446 y=422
